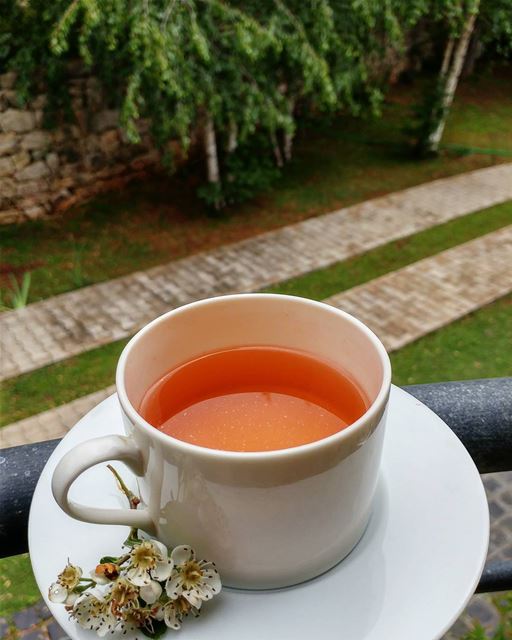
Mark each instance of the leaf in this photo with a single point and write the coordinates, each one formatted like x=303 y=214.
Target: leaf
x=108 y=559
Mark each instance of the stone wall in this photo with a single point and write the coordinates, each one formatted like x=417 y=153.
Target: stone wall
x=43 y=171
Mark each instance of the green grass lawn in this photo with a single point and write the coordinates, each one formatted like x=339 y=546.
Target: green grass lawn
x=336 y=163
x=476 y=346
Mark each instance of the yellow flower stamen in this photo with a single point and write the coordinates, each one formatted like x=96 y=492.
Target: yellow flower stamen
x=144 y=556
x=70 y=576
x=192 y=574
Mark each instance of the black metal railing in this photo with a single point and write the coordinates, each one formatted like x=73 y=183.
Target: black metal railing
x=478 y=411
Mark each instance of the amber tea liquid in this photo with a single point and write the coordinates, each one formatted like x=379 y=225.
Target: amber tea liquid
x=253 y=399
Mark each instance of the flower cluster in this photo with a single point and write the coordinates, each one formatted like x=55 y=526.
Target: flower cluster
x=145 y=590
x=142 y=590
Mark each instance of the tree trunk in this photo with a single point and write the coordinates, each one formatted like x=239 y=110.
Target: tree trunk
x=210 y=149
x=288 y=145
x=277 y=151
x=212 y=161
x=447 y=57
x=452 y=73
x=288 y=136
x=232 y=137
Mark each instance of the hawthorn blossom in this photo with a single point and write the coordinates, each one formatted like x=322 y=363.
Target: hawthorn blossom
x=126 y=593
x=195 y=580
x=148 y=563
x=93 y=611
x=62 y=590
x=173 y=612
x=123 y=594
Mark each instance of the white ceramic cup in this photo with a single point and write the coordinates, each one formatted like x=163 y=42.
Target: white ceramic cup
x=267 y=519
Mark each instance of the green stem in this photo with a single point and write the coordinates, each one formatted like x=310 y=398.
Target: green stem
x=132 y=498
x=134 y=501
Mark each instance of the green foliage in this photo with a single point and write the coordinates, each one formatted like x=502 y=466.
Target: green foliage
x=248 y=170
x=24 y=48
x=249 y=66
x=495 y=27
x=78 y=278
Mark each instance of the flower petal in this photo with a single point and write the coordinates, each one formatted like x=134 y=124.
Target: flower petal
x=161 y=548
x=174 y=586
x=182 y=554
x=138 y=577
x=203 y=591
x=71 y=599
x=163 y=570
x=203 y=594
x=158 y=613
x=170 y=617
x=88 y=610
x=57 y=593
x=212 y=579
x=193 y=598
x=151 y=592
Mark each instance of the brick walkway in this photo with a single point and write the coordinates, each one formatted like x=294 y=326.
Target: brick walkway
x=71 y=323
x=400 y=307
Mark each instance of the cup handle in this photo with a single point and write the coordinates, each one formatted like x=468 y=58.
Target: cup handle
x=86 y=455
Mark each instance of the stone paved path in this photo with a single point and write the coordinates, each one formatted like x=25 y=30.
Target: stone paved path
x=71 y=323
x=400 y=307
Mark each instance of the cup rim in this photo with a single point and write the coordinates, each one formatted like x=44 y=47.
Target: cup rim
x=376 y=407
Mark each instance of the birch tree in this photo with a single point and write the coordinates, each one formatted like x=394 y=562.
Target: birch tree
x=491 y=22
x=453 y=61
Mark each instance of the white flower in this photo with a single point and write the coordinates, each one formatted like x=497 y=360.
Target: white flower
x=195 y=580
x=173 y=612
x=62 y=590
x=172 y=618
x=148 y=562
x=137 y=618
x=123 y=593
x=92 y=611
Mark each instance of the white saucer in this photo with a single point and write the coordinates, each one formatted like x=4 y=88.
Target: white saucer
x=410 y=576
